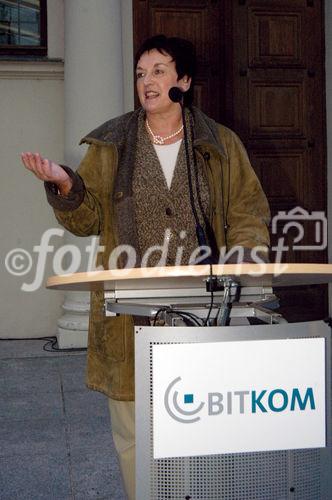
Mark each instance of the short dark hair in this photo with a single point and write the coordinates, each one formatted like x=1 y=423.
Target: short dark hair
x=182 y=53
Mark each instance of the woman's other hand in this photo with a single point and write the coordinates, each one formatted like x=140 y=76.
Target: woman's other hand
x=47 y=170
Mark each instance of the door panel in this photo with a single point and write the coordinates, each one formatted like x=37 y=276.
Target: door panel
x=278 y=110
x=276 y=39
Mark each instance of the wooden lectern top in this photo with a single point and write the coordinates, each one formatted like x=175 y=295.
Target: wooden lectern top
x=258 y=275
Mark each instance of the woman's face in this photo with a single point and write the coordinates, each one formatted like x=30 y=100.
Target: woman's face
x=155 y=75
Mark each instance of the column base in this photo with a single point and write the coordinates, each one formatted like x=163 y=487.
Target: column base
x=71 y=339
x=73 y=325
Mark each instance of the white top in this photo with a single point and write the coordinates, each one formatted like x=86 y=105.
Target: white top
x=167 y=156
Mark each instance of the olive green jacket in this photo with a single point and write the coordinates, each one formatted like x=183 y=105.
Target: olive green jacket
x=101 y=203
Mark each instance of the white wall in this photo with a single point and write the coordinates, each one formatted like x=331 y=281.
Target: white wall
x=32 y=102
x=34 y=121
x=31 y=109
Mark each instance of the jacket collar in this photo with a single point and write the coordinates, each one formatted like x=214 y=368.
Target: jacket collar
x=114 y=131
x=122 y=129
x=206 y=133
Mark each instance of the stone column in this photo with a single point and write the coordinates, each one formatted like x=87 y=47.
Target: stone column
x=93 y=89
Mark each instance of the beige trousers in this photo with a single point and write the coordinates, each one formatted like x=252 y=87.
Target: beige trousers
x=123 y=430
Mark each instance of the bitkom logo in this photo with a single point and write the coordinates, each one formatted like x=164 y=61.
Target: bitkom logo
x=171 y=400
x=185 y=409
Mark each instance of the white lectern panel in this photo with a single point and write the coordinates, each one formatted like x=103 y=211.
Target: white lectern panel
x=235 y=397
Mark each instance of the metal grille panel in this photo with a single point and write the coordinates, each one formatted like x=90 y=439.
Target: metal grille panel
x=306 y=467
x=258 y=476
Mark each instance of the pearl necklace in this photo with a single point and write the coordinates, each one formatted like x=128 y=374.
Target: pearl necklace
x=157 y=139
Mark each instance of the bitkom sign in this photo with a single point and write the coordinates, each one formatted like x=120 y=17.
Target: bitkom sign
x=229 y=397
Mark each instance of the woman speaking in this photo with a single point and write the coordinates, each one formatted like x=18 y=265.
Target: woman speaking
x=142 y=185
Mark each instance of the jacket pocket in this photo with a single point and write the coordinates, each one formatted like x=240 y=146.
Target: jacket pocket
x=113 y=340
x=107 y=334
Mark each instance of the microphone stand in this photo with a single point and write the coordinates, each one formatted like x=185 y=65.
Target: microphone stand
x=200 y=234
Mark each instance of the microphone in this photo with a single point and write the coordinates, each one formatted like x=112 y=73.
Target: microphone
x=175 y=94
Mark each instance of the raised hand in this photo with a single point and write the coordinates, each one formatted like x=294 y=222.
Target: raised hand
x=47 y=170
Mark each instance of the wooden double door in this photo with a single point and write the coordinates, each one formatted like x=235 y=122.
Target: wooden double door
x=261 y=72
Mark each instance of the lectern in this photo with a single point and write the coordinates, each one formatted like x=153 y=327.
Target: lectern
x=232 y=402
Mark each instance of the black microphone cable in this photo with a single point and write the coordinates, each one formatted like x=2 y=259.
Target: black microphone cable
x=176 y=95
x=208 y=228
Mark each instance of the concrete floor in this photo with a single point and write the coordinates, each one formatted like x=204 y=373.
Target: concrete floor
x=55 y=437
